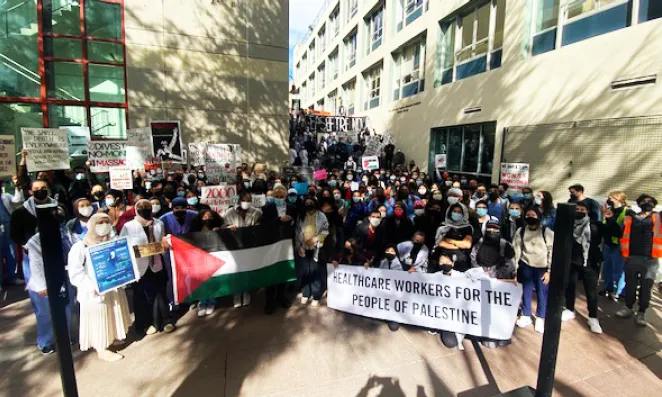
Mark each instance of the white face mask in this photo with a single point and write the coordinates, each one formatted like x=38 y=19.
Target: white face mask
x=156 y=208
x=350 y=177
x=102 y=229
x=422 y=191
x=453 y=200
x=375 y=222
x=85 y=211
x=110 y=202
x=419 y=211
x=245 y=205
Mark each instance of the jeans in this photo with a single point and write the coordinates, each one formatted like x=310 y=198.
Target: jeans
x=640 y=271
x=8 y=253
x=311 y=277
x=531 y=278
x=614 y=269
x=590 y=279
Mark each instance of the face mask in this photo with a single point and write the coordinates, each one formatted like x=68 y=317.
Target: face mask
x=347 y=251
x=437 y=196
x=245 y=205
x=537 y=201
x=446 y=268
x=158 y=193
x=201 y=176
x=514 y=213
x=527 y=196
x=418 y=245
x=180 y=193
x=453 y=200
x=364 y=180
x=170 y=195
x=292 y=199
x=85 y=211
x=102 y=229
x=573 y=197
x=480 y=194
x=270 y=199
x=422 y=191
x=493 y=236
x=382 y=214
x=481 y=211
x=419 y=211
x=375 y=221
x=332 y=183
x=579 y=215
x=455 y=216
x=310 y=207
x=647 y=207
x=350 y=177
x=419 y=182
x=610 y=203
x=247 y=184
x=403 y=180
x=356 y=199
x=156 y=208
x=80 y=177
x=389 y=256
x=192 y=201
x=398 y=212
x=531 y=221
x=41 y=194
x=145 y=213
x=448 y=183
x=110 y=202
x=336 y=196
x=98 y=195
x=279 y=202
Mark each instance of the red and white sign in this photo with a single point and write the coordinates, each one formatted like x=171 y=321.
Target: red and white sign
x=440 y=161
x=220 y=198
x=120 y=178
x=370 y=163
x=105 y=154
x=516 y=175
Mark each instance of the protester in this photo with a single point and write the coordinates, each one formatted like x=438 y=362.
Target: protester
x=371 y=239
x=577 y=196
x=454 y=236
x=545 y=203
x=206 y=221
x=613 y=271
x=312 y=229
x=398 y=227
x=514 y=221
x=77 y=227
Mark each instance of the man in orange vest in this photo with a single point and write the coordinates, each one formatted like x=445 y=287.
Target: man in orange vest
x=641 y=246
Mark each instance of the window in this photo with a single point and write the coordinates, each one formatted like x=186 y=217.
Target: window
x=589 y=18
x=375 y=30
x=350 y=50
x=352 y=8
x=333 y=65
x=471 y=43
x=321 y=40
x=407 y=11
x=469 y=149
x=333 y=102
x=84 y=67
x=304 y=64
x=312 y=85
x=545 y=19
x=304 y=92
x=334 y=22
x=372 y=80
x=321 y=75
x=409 y=70
x=649 y=10
x=349 y=97
x=311 y=52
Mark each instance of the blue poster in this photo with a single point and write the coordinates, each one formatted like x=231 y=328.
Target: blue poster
x=301 y=188
x=114 y=264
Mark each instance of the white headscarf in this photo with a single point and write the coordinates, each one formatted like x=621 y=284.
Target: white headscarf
x=91 y=237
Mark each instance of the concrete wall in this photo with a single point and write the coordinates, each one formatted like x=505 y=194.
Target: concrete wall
x=221 y=67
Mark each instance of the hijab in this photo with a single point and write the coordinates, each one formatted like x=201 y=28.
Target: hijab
x=91 y=237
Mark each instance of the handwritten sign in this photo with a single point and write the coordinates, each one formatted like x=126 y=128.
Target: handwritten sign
x=220 y=198
x=7 y=155
x=48 y=149
x=516 y=175
x=138 y=147
x=120 y=178
x=197 y=153
x=105 y=154
x=220 y=163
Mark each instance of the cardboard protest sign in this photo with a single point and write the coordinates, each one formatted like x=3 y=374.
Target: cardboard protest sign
x=369 y=163
x=220 y=163
x=113 y=264
x=138 y=147
x=485 y=308
x=105 y=154
x=147 y=250
x=373 y=145
x=220 y=198
x=167 y=140
x=48 y=149
x=319 y=175
x=120 y=178
x=78 y=138
x=516 y=175
x=7 y=155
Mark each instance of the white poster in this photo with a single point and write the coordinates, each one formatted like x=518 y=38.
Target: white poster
x=373 y=145
x=167 y=140
x=220 y=163
x=369 y=163
x=48 y=149
x=78 y=138
x=259 y=200
x=516 y=175
x=121 y=178
x=485 y=308
x=220 y=198
x=138 y=147
x=105 y=154
x=440 y=161
x=7 y=155
x=197 y=152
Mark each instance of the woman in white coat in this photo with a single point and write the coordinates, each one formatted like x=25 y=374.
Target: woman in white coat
x=103 y=318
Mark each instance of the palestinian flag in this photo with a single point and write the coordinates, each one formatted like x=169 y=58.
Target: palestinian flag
x=214 y=264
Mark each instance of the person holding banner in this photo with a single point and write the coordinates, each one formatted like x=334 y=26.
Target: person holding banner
x=150 y=293
x=207 y=221
x=105 y=318
x=311 y=231
x=413 y=255
x=455 y=236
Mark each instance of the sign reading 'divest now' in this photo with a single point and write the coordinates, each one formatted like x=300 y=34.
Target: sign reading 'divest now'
x=105 y=154
x=486 y=308
x=48 y=149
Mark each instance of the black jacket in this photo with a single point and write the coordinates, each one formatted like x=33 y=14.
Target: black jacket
x=270 y=213
x=22 y=226
x=376 y=250
x=397 y=233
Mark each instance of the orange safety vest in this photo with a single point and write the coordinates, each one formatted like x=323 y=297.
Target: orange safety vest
x=657 y=236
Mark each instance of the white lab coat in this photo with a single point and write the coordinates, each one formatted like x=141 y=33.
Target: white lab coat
x=137 y=236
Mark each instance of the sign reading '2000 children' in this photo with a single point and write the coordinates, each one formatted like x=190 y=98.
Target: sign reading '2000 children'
x=105 y=154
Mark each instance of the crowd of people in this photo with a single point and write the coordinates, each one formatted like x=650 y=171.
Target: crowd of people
x=398 y=217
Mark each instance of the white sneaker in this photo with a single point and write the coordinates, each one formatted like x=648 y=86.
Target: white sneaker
x=524 y=321
x=247 y=298
x=567 y=315
x=594 y=325
x=315 y=303
x=304 y=300
x=237 y=301
x=202 y=312
x=209 y=311
x=540 y=325
x=432 y=332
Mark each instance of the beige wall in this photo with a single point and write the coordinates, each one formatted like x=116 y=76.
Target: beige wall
x=568 y=84
x=221 y=68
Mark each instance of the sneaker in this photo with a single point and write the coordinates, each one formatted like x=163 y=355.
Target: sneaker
x=540 y=325
x=594 y=325
x=567 y=315
x=304 y=300
x=640 y=320
x=108 y=356
x=615 y=297
x=169 y=328
x=151 y=330
x=431 y=332
x=247 y=299
x=625 y=312
x=202 y=312
x=524 y=321
x=47 y=350
x=315 y=303
x=237 y=301
x=210 y=310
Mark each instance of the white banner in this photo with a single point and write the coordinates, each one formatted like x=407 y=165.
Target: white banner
x=486 y=308
x=197 y=151
x=7 y=155
x=121 y=178
x=138 y=147
x=219 y=198
x=48 y=149
x=440 y=160
x=220 y=163
x=105 y=154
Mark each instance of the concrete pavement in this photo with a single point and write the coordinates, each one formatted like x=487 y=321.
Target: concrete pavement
x=311 y=352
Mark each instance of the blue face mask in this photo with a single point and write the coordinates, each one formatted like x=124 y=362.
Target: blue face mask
x=332 y=183
x=514 y=213
x=192 y=200
x=181 y=194
x=455 y=216
x=292 y=199
x=527 y=196
x=356 y=199
x=279 y=202
x=481 y=211
x=270 y=199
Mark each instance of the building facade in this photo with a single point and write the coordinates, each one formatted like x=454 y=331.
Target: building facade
x=221 y=67
x=569 y=86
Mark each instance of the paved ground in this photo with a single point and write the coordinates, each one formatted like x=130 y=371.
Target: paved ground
x=319 y=352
